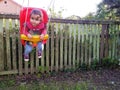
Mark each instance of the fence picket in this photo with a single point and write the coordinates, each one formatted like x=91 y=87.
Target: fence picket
x=37 y=62
x=78 y=45
x=70 y=46
x=82 y=45
x=8 y=51
x=56 y=47
x=14 y=56
x=61 y=47
x=20 y=55
x=26 y=67
x=52 y=45
x=47 y=54
x=74 y=46
x=32 y=63
x=1 y=48
x=43 y=61
x=86 y=44
x=65 y=46
x=98 y=41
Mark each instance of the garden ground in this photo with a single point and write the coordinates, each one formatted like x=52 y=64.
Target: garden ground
x=103 y=79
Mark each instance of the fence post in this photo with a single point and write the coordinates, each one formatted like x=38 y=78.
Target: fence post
x=104 y=42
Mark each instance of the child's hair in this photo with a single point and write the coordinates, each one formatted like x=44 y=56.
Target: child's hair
x=36 y=11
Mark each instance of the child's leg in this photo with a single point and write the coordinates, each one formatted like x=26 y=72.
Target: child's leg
x=39 y=47
x=28 y=49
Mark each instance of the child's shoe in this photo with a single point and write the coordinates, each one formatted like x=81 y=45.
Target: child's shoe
x=26 y=57
x=39 y=54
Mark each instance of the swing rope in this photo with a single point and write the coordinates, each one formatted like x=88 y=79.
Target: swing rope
x=26 y=14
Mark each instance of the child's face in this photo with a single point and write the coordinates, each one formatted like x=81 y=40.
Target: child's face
x=35 y=19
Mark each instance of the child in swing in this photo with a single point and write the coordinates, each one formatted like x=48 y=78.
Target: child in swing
x=34 y=27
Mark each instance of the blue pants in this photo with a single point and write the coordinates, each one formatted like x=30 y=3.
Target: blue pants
x=29 y=48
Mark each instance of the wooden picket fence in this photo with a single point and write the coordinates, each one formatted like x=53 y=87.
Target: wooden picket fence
x=71 y=43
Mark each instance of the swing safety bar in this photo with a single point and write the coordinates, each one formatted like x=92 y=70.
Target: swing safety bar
x=35 y=38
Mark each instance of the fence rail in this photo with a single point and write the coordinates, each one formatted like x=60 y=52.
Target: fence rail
x=71 y=44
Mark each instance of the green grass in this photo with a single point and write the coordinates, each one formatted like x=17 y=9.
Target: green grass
x=48 y=86
x=7 y=83
x=56 y=86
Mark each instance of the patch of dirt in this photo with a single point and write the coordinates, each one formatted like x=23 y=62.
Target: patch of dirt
x=104 y=79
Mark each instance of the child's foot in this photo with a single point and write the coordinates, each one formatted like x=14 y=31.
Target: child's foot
x=26 y=58
x=39 y=54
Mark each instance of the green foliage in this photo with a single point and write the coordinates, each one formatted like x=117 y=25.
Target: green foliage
x=109 y=9
x=113 y=5
x=55 y=14
x=42 y=68
x=84 y=66
x=110 y=63
x=90 y=16
x=95 y=64
x=22 y=87
x=7 y=83
x=70 y=70
x=41 y=71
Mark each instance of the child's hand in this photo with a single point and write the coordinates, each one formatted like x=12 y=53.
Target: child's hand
x=29 y=36
x=41 y=36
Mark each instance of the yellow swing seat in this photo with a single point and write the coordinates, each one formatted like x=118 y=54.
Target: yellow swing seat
x=35 y=38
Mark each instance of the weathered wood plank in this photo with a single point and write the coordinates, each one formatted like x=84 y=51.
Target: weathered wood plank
x=65 y=46
x=32 y=62
x=78 y=45
x=9 y=72
x=56 y=20
x=61 y=46
x=118 y=42
x=74 y=45
x=90 y=49
x=37 y=60
x=113 y=41
x=102 y=43
x=47 y=52
x=70 y=48
x=1 y=47
x=14 y=53
x=89 y=45
x=110 y=41
x=82 y=45
x=26 y=66
x=14 y=43
x=94 y=41
x=57 y=48
x=20 y=55
x=86 y=44
x=43 y=61
x=98 y=41
x=8 y=51
x=52 y=46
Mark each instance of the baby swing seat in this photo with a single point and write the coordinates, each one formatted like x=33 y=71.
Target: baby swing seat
x=24 y=17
